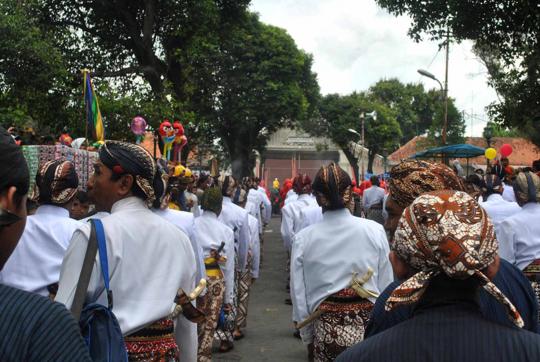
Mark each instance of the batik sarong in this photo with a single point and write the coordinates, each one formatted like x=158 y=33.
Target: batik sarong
x=532 y=272
x=244 y=284
x=155 y=343
x=341 y=325
x=224 y=331
x=210 y=304
x=375 y=213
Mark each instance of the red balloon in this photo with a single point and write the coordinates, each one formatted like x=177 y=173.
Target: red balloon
x=506 y=150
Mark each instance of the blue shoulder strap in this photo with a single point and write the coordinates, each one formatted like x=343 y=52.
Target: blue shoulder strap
x=102 y=248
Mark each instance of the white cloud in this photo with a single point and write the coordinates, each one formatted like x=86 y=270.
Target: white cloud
x=355 y=43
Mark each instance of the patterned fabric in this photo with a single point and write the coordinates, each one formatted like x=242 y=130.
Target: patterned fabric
x=56 y=183
x=527 y=187
x=212 y=199
x=224 y=332
x=375 y=214
x=244 y=284
x=333 y=188
x=82 y=159
x=412 y=178
x=210 y=304
x=342 y=324
x=302 y=184
x=532 y=272
x=155 y=343
x=446 y=231
x=127 y=158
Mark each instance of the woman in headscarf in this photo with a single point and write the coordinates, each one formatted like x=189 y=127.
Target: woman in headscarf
x=519 y=235
x=445 y=249
x=332 y=308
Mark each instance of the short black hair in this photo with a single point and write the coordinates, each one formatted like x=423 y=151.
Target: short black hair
x=82 y=196
x=374 y=180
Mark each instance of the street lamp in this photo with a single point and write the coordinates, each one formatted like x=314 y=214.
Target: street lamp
x=488 y=135
x=363 y=116
x=444 y=91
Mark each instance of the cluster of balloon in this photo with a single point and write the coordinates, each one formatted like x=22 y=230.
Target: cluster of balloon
x=180 y=140
x=138 y=127
x=505 y=151
x=166 y=132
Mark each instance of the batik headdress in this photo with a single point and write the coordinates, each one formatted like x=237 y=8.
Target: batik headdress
x=446 y=232
x=56 y=183
x=333 y=188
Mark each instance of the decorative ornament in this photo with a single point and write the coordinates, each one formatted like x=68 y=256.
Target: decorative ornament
x=138 y=127
x=491 y=153
x=166 y=132
x=506 y=150
x=180 y=140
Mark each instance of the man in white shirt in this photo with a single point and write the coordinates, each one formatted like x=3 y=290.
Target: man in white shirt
x=338 y=268
x=149 y=259
x=519 y=235
x=219 y=268
x=372 y=200
x=496 y=207
x=35 y=263
x=236 y=218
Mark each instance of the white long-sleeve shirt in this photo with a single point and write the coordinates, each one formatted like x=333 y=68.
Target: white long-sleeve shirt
x=310 y=215
x=36 y=261
x=325 y=255
x=499 y=209
x=508 y=193
x=254 y=246
x=291 y=218
x=372 y=196
x=185 y=221
x=291 y=196
x=519 y=236
x=211 y=232
x=236 y=218
x=253 y=206
x=267 y=214
x=149 y=260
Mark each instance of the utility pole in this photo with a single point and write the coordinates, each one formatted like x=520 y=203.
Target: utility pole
x=446 y=88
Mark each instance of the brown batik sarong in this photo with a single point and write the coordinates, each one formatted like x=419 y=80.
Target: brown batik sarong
x=244 y=284
x=532 y=272
x=210 y=304
x=342 y=324
x=154 y=343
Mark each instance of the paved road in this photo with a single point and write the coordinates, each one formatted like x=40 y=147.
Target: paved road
x=269 y=328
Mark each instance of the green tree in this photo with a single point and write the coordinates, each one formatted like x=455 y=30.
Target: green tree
x=507 y=38
x=340 y=113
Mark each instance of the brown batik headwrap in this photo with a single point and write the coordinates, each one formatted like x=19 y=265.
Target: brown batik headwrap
x=412 y=178
x=127 y=158
x=212 y=199
x=302 y=184
x=527 y=187
x=227 y=184
x=446 y=232
x=56 y=183
x=333 y=188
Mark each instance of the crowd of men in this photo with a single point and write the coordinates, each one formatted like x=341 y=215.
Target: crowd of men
x=427 y=267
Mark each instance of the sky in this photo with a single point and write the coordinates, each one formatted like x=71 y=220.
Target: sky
x=355 y=43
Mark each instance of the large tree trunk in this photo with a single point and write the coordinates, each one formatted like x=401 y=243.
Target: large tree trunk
x=353 y=161
x=371 y=157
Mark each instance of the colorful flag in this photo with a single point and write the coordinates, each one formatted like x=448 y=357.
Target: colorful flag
x=93 y=115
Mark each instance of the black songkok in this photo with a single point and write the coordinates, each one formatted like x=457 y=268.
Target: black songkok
x=127 y=158
x=13 y=169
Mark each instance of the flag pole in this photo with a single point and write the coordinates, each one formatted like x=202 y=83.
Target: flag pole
x=85 y=74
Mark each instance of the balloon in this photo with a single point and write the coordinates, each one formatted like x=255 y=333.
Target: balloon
x=506 y=150
x=491 y=153
x=180 y=140
x=138 y=126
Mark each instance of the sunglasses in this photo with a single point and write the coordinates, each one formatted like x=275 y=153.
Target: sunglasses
x=7 y=217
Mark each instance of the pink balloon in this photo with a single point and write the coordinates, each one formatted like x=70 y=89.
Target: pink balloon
x=506 y=150
x=138 y=126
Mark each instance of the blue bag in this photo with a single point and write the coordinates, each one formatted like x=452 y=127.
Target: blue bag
x=99 y=326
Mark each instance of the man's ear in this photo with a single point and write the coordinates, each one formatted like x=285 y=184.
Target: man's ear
x=7 y=199
x=401 y=269
x=125 y=184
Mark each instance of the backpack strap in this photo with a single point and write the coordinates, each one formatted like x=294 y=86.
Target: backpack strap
x=86 y=272
x=102 y=248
